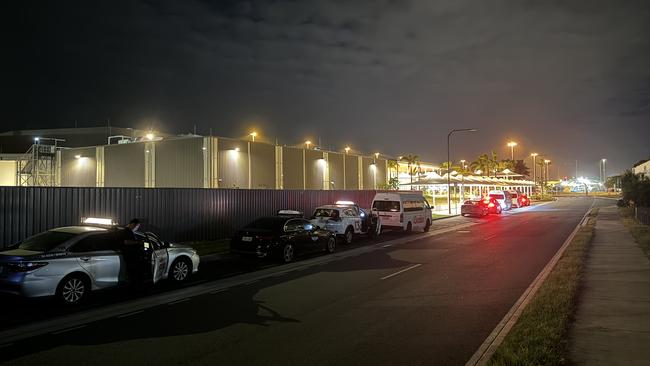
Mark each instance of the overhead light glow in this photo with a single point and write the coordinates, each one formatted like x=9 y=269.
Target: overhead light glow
x=150 y=136
x=77 y=156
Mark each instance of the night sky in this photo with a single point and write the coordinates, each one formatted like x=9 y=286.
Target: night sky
x=570 y=79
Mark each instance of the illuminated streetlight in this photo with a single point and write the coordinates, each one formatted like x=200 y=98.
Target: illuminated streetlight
x=534 y=155
x=253 y=135
x=37 y=139
x=236 y=149
x=307 y=143
x=150 y=136
x=347 y=149
x=376 y=155
x=512 y=145
x=77 y=156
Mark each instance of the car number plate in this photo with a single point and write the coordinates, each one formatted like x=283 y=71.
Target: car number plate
x=246 y=238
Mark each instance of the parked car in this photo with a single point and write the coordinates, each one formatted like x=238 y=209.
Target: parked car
x=523 y=200
x=70 y=262
x=514 y=198
x=493 y=206
x=402 y=210
x=503 y=197
x=345 y=219
x=283 y=237
x=474 y=207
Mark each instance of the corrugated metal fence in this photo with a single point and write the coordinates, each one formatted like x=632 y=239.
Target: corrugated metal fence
x=177 y=214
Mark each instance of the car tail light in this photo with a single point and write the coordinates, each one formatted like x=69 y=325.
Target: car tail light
x=401 y=217
x=19 y=267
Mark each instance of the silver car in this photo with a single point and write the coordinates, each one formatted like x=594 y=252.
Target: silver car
x=69 y=262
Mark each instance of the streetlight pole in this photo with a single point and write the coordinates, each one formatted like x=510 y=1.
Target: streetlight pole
x=449 y=165
x=534 y=155
x=512 y=145
x=604 y=173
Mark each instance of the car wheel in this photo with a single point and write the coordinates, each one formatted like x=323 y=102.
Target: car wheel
x=409 y=227
x=331 y=245
x=349 y=235
x=180 y=270
x=287 y=253
x=73 y=289
x=427 y=226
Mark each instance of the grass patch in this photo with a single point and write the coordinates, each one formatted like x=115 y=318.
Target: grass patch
x=219 y=246
x=539 y=336
x=542 y=197
x=436 y=216
x=640 y=232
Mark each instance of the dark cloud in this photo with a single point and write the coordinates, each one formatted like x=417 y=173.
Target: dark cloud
x=568 y=78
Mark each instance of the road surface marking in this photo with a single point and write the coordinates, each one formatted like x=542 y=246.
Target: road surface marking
x=402 y=271
x=490 y=237
x=463 y=231
x=387 y=245
x=179 y=301
x=217 y=291
x=69 y=329
x=250 y=282
x=129 y=314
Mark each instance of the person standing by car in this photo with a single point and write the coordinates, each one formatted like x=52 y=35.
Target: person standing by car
x=133 y=251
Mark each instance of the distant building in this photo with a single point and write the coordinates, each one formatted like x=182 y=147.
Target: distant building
x=642 y=168
x=119 y=157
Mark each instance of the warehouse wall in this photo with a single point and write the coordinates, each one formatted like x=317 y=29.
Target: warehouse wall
x=315 y=166
x=292 y=168
x=382 y=173
x=232 y=164
x=124 y=165
x=80 y=172
x=335 y=164
x=351 y=172
x=368 y=173
x=262 y=165
x=179 y=163
x=8 y=172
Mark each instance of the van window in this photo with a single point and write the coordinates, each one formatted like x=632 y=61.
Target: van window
x=497 y=196
x=410 y=206
x=386 y=206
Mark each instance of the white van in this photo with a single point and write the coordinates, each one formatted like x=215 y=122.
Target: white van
x=402 y=210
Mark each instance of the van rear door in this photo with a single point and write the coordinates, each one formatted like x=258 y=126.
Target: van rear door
x=389 y=212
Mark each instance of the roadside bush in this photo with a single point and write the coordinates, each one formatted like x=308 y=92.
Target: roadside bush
x=636 y=189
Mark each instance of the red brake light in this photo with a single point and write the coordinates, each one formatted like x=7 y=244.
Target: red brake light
x=25 y=266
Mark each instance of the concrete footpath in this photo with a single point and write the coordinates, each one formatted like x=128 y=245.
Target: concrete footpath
x=612 y=325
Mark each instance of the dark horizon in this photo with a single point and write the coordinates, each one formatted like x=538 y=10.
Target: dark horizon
x=566 y=79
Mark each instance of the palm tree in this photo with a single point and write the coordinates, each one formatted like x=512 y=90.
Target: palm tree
x=494 y=163
x=393 y=164
x=482 y=164
x=411 y=159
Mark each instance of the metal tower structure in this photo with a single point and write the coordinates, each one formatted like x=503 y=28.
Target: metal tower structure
x=38 y=167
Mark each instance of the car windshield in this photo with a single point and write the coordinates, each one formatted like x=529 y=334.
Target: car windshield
x=45 y=241
x=267 y=223
x=386 y=206
x=497 y=196
x=324 y=212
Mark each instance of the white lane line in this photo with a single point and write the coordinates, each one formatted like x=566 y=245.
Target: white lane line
x=250 y=282
x=490 y=237
x=463 y=231
x=69 y=329
x=217 y=291
x=129 y=314
x=402 y=271
x=179 y=301
x=387 y=245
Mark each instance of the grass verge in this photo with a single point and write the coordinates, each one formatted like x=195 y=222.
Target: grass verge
x=539 y=336
x=219 y=246
x=640 y=232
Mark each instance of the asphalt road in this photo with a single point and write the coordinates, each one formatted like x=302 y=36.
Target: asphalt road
x=429 y=301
